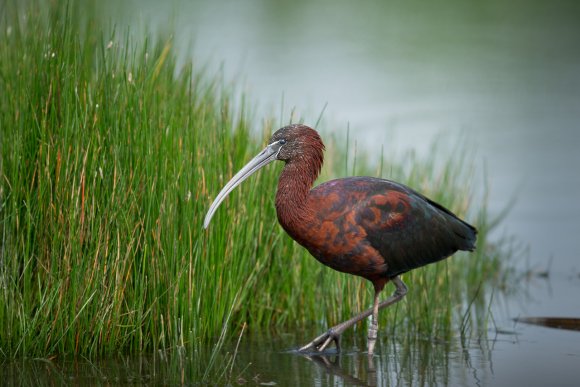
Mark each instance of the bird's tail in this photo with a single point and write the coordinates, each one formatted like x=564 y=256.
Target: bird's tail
x=467 y=235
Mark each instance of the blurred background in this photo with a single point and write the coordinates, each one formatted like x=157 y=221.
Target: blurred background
x=501 y=76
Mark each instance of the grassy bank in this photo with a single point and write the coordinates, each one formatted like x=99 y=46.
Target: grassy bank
x=110 y=156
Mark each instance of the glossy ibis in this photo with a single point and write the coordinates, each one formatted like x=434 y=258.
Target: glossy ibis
x=374 y=228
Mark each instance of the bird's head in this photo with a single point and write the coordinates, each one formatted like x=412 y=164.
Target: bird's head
x=290 y=143
x=296 y=141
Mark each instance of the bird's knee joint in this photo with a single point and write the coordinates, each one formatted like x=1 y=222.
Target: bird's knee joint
x=401 y=289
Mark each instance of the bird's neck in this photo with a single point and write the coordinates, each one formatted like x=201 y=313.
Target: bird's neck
x=294 y=186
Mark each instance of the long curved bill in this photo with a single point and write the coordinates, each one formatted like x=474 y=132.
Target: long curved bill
x=263 y=158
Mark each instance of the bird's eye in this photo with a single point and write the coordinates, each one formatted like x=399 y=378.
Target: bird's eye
x=282 y=142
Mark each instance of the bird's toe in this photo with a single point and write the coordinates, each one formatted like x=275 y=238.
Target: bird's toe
x=320 y=343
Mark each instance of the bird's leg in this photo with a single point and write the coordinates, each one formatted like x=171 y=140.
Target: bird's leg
x=374 y=327
x=333 y=334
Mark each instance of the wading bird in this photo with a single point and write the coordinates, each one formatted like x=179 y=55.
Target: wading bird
x=374 y=228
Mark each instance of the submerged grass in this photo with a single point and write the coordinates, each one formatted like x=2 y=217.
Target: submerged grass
x=110 y=156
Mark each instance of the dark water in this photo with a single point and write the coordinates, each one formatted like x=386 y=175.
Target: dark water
x=503 y=75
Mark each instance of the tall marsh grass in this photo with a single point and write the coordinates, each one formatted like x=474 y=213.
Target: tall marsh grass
x=110 y=157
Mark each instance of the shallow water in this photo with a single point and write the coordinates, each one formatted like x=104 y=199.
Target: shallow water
x=507 y=354
x=502 y=75
x=511 y=355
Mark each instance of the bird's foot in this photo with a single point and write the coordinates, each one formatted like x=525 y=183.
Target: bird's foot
x=320 y=343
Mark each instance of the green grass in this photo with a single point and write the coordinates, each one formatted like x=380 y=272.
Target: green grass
x=110 y=157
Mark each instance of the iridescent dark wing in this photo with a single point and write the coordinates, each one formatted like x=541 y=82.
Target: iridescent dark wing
x=407 y=229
